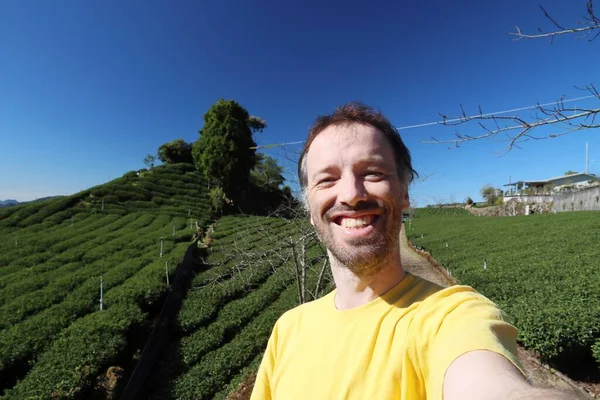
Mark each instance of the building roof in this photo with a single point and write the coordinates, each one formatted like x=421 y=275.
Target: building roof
x=590 y=176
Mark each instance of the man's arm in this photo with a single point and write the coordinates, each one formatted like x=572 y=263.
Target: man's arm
x=485 y=375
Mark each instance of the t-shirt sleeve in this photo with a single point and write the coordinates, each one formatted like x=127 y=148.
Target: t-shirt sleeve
x=461 y=320
x=264 y=376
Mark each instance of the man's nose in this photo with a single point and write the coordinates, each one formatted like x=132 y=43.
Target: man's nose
x=352 y=191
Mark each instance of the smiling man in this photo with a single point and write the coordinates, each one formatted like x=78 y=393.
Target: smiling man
x=382 y=333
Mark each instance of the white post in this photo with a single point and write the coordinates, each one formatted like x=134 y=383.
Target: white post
x=16 y=240
x=189 y=212
x=102 y=204
x=161 y=247
x=586 y=158
x=101 y=292
x=173 y=230
x=167 y=272
x=191 y=224
x=446 y=244
x=484 y=264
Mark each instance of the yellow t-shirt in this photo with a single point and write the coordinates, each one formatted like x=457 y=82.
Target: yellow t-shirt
x=397 y=346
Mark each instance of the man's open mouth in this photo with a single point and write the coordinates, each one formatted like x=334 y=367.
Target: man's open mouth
x=356 y=222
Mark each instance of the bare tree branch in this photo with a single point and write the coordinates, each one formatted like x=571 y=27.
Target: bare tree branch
x=519 y=129
x=590 y=22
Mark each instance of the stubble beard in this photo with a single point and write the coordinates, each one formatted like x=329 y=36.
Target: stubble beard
x=364 y=256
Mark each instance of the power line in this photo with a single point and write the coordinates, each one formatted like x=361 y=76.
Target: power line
x=447 y=120
x=492 y=113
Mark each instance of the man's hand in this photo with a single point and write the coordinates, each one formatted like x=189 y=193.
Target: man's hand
x=484 y=375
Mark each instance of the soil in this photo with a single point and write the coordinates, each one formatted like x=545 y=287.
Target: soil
x=420 y=263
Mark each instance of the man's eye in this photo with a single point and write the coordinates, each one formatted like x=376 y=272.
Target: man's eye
x=325 y=181
x=374 y=174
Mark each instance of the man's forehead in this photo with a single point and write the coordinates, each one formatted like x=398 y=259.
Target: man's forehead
x=345 y=135
x=361 y=143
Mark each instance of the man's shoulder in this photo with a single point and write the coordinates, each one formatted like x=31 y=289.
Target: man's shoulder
x=457 y=302
x=455 y=295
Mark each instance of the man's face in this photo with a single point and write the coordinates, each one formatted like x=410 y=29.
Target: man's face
x=355 y=195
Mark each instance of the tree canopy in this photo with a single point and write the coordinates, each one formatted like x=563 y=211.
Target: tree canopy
x=490 y=194
x=224 y=152
x=266 y=172
x=177 y=151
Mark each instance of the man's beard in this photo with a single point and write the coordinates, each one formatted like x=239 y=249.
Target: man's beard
x=364 y=256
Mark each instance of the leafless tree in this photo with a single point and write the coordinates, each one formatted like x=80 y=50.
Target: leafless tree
x=519 y=129
x=589 y=25
x=289 y=250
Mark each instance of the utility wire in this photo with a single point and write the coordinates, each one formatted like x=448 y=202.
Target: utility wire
x=400 y=128
x=492 y=113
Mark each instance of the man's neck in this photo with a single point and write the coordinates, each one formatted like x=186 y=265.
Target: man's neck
x=354 y=291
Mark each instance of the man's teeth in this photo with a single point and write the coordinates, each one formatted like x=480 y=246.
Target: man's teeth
x=357 y=222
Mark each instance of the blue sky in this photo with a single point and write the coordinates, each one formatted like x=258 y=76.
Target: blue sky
x=90 y=88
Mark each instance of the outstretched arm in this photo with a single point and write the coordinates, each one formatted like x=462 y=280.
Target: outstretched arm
x=485 y=375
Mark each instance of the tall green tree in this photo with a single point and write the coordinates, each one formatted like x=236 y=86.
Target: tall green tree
x=224 y=152
x=177 y=151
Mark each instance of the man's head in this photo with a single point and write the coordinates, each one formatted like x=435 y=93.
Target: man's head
x=355 y=171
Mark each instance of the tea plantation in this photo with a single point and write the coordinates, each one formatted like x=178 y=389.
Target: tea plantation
x=543 y=270
x=230 y=310
x=130 y=233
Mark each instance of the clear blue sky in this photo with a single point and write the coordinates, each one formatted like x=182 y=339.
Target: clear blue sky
x=89 y=88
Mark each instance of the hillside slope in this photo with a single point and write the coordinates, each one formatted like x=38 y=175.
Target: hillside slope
x=128 y=234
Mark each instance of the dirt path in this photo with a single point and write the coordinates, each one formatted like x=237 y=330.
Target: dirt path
x=423 y=265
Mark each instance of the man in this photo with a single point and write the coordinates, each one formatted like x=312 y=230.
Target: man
x=382 y=333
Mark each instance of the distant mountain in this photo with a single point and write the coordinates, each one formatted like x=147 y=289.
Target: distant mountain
x=7 y=203
x=10 y=202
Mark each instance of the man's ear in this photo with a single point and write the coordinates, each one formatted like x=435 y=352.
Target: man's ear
x=405 y=201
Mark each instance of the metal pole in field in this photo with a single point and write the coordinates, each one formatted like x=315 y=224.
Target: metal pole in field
x=161 y=247
x=101 y=292
x=167 y=271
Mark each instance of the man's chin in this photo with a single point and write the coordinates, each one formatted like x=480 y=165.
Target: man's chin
x=363 y=258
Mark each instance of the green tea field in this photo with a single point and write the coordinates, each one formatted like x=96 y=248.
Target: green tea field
x=127 y=235
x=543 y=270
x=131 y=234
x=251 y=278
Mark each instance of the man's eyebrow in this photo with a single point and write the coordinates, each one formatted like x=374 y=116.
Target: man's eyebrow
x=380 y=161
x=326 y=170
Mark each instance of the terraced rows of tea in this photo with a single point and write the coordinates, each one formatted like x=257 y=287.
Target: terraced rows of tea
x=249 y=280
x=541 y=269
x=54 y=339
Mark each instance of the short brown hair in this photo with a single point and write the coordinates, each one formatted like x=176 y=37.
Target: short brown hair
x=358 y=113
